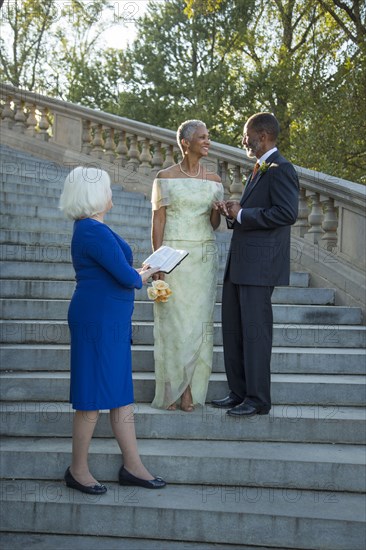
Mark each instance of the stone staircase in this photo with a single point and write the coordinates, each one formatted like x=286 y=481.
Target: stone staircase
x=294 y=479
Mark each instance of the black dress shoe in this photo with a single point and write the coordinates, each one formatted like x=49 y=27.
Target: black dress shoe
x=226 y=403
x=245 y=409
x=97 y=489
x=125 y=478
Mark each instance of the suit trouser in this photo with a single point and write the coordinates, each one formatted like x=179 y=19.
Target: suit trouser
x=247 y=325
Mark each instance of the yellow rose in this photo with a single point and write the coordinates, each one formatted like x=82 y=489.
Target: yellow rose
x=160 y=285
x=151 y=293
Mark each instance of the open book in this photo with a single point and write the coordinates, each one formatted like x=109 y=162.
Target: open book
x=166 y=258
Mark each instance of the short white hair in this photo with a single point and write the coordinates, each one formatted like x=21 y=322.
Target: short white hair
x=87 y=191
x=186 y=131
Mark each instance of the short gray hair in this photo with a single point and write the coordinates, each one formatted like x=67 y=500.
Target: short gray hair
x=187 y=129
x=87 y=191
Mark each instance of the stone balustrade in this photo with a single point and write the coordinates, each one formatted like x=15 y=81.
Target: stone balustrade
x=331 y=210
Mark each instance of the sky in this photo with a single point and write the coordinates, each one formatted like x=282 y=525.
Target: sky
x=129 y=11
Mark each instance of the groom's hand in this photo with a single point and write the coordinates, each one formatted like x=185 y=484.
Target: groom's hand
x=233 y=208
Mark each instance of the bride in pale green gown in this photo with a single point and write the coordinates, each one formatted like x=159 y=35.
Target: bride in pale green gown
x=184 y=217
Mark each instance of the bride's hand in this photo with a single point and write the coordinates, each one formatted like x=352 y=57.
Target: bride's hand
x=146 y=272
x=159 y=276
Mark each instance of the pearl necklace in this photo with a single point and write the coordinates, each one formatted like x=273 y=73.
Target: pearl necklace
x=190 y=175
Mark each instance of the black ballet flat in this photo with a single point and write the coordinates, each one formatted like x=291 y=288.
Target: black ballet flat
x=97 y=489
x=125 y=478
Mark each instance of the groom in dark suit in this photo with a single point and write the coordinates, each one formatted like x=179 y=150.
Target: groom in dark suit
x=258 y=260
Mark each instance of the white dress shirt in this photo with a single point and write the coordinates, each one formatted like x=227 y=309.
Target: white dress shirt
x=261 y=160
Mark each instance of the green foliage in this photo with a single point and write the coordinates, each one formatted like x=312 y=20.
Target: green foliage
x=218 y=60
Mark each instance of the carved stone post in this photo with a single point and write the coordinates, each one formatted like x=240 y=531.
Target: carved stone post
x=31 y=120
x=109 y=145
x=86 y=138
x=157 y=160
x=223 y=173
x=315 y=219
x=122 y=148
x=43 y=125
x=133 y=154
x=8 y=114
x=19 y=117
x=236 y=188
x=145 y=156
x=330 y=224
x=98 y=143
x=302 y=225
x=169 y=156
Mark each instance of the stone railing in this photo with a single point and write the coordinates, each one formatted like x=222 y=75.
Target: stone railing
x=331 y=211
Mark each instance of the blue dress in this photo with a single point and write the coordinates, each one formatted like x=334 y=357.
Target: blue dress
x=100 y=318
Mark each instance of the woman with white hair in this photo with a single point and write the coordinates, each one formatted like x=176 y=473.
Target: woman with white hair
x=100 y=327
x=184 y=218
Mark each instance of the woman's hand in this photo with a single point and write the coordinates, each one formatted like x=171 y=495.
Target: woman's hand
x=159 y=276
x=146 y=272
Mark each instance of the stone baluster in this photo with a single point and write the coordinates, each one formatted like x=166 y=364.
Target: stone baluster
x=157 y=160
x=302 y=225
x=43 y=125
x=19 y=117
x=315 y=219
x=330 y=224
x=169 y=156
x=133 y=154
x=224 y=175
x=145 y=156
x=109 y=145
x=97 y=143
x=86 y=138
x=236 y=188
x=31 y=121
x=8 y=114
x=122 y=148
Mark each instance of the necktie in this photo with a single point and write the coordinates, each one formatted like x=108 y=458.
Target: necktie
x=256 y=168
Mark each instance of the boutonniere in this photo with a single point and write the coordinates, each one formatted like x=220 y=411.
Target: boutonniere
x=264 y=167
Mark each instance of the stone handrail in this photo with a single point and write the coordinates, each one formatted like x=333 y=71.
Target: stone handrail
x=331 y=210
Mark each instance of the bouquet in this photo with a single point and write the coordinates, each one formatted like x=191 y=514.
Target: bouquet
x=159 y=291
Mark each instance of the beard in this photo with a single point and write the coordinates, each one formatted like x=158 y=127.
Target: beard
x=252 y=147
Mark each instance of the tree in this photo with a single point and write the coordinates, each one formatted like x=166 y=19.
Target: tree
x=53 y=47
x=29 y=22
x=181 y=68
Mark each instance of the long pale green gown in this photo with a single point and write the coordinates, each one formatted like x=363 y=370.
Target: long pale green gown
x=183 y=326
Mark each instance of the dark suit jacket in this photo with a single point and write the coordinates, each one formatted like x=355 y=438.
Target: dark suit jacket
x=260 y=246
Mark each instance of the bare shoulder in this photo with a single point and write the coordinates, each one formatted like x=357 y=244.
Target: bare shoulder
x=170 y=172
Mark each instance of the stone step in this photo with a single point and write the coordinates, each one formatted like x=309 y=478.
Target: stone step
x=53 y=357
x=287 y=389
x=32 y=188
x=291 y=335
x=121 y=198
x=52 y=175
x=123 y=215
x=12 y=288
x=289 y=423
x=189 y=513
x=36 y=245
x=63 y=271
x=144 y=311
x=321 y=467
x=48 y=225
x=42 y=541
